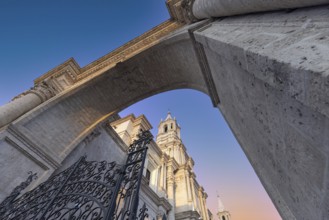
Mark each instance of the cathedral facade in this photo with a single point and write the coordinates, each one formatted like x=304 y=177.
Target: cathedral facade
x=169 y=186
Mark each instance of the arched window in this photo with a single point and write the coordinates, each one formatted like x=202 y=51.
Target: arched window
x=223 y=218
x=165 y=128
x=171 y=126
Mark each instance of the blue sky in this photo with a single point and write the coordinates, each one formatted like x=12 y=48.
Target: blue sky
x=36 y=36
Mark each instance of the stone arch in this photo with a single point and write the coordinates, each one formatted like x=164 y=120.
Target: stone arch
x=161 y=68
x=267 y=94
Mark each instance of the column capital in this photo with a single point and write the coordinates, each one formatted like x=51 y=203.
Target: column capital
x=42 y=90
x=181 y=11
x=187 y=6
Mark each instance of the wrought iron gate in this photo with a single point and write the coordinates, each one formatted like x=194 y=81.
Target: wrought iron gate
x=87 y=190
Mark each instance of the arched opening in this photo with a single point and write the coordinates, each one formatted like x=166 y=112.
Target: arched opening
x=83 y=108
x=220 y=163
x=165 y=128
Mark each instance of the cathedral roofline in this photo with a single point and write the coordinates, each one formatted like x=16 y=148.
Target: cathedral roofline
x=143 y=121
x=141 y=118
x=126 y=118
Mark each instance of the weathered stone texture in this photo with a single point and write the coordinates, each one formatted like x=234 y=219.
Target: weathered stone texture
x=213 y=8
x=101 y=144
x=263 y=66
x=270 y=72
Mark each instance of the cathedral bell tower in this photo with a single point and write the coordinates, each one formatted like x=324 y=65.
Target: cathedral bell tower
x=168 y=131
x=184 y=193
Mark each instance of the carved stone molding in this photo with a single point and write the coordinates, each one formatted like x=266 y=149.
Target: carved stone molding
x=130 y=49
x=181 y=11
x=43 y=91
x=187 y=8
x=62 y=77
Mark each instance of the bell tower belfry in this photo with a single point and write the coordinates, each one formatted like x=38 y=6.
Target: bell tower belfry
x=168 y=130
x=169 y=140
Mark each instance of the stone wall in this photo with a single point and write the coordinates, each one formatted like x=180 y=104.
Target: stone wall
x=267 y=73
x=271 y=73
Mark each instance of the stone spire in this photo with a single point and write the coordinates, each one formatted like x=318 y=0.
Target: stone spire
x=222 y=213
x=168 y=116
x=221 y=207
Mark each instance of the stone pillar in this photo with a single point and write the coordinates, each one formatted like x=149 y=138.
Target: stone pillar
x=201 y=199
x=171 y=188
x=145 y=165
x=24 y=103
x=189 y=191
x=214 y=8
x=192 y=179
x=206 y=217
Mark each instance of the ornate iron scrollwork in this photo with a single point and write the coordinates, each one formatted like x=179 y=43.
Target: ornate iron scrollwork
x=87 y=190
x=7 y=202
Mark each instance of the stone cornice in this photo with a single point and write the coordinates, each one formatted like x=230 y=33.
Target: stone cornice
x=131 y=48
x=181 y=11
x=187 y=215
x=58 y=70
x=73 y=73
x=121 y=120
x=142 y=120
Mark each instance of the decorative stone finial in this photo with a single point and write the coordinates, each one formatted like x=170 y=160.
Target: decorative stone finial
x=168 y=116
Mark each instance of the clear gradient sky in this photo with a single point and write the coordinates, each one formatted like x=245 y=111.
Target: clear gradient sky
x=37 y=35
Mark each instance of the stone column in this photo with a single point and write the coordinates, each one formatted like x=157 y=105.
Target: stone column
x=146 y=165
x=192 y=177
x=189 y=191
x=201 y=199
x=24 y=103
x=156 y=178
x=171 y=188
x=214 y=8
x=204 y=197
